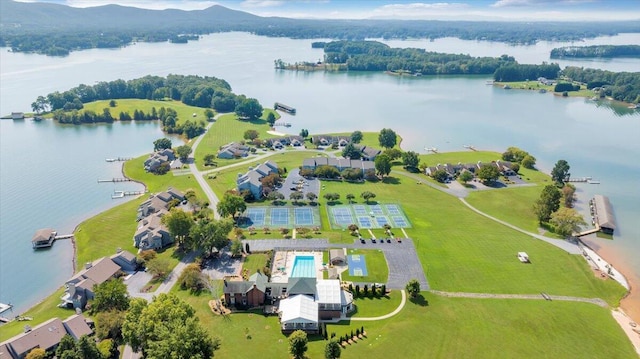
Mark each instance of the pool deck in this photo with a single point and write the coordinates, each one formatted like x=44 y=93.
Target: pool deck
x=285 y=259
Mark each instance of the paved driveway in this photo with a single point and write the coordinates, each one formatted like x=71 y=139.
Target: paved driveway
x=136 y=282
x=310 y=185
x=223 y=266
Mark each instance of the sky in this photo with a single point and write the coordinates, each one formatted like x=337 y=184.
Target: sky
x=503 y=10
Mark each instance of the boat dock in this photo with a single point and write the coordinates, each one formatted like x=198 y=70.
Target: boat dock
x=601 y=216
x=284 y=124
x=284 y=108
x=470 y=147
x=123 y=179
x=432 y=149
x=122 y=194
x=44 y=238
x=118 y=159
x=579 y=179
x=5 y=307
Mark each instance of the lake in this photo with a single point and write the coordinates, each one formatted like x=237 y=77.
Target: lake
x=49 y=172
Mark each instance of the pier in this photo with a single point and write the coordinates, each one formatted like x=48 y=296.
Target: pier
x=284 y=108
x=470 y=147
x=5 y=307
x=115 y=179
x=118 y=159
x=579 y=179
x=44 y=238
x=284 y=124
x=601 y=216
x=432 y=149
x=122 y=194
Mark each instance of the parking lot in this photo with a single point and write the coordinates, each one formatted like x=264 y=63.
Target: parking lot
x=299 y=184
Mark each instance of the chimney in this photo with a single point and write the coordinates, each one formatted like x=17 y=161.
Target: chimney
x=88 y=265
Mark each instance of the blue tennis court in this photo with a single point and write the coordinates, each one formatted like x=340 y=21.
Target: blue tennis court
x=357 y=265
x=256 y=216
x=303 y=216
x=342 y=216
x=279 y=216
x=360 y=210
x=382 y=220
x=393 y=209
x=400 y=221
x=365 y=222
x=377 y=210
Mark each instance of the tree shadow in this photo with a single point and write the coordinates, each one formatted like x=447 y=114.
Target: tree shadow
x=419 y=300
x=391 y=180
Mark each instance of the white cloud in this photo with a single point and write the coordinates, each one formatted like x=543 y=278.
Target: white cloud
x=516 y=3
x=144 y=4
x=261 y=3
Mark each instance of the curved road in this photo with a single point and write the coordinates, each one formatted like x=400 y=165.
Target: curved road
x=386 y=316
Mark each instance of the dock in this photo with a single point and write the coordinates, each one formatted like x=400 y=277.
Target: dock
x=432 y=149
x=283 y=124
x=118 y=159
x=4 y=320
x=115 y=179
x=601 y=216
x=579 y=179
x=284 y=108
x=122 y=194
x=470 y=147
x=45 y=237
x=4 y=307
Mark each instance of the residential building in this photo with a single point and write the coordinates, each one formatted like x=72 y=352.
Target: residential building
x=281 y=142
x=251 y=293
x=328 y=140
x=233 y=150
x=151 y=233
x=79 y=289
x=43 y=238
x=159 y=202
x=368 y=153
x=46 y=336
x=251 y=180
x=157 y=158
x=299 y=312
x=339 y=163
x=125 y=259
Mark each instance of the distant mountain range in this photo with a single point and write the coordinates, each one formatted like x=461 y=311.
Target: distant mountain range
x=55 y=29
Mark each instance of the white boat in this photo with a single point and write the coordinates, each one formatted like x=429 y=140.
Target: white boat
x=5 y=307
x=593 y=182
x=117 y=194
x=110 y=159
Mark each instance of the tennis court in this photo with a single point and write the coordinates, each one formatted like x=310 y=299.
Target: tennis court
x=382 y=220
x=393 y=209
x=342 y=216
x=360 y=210
x=364 y=222
x=377 y=210
x=280 y=216
x=256 y=216
x=357 y=265
x=400 y=222
x=303 y=216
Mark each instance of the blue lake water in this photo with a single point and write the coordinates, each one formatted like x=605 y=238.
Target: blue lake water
x=49 y=172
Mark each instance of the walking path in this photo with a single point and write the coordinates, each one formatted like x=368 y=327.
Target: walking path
x=596 y=301
x=213 y=199
x=386 y=316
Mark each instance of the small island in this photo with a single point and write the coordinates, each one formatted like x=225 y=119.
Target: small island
x=596 y=51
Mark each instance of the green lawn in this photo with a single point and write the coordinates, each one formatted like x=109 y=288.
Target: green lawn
x=375 y=307
x=40 y=313
x=134 y=169
x=368 y=138
x=227 y=129
x=443 y=328
x=377 y=269
x=185 y=112
x=255 y=261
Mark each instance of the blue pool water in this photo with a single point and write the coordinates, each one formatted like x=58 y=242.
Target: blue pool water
x=303 y=267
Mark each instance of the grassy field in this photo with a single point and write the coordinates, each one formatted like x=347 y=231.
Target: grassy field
x=227 y=129
x=134 y=169
x=375 y=307
x=377 y=269
x=438 y=327
x=255 y=262
x=185 y=112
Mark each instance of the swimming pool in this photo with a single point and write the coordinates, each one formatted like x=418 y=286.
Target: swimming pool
x=303 y=267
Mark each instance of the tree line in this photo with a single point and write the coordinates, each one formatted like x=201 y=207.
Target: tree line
x=621 y=86
x=603 y=51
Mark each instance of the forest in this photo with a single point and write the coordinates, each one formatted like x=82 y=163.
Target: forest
x=376 y=56
x=596 y=51
x=54 y=29
x=621 y=86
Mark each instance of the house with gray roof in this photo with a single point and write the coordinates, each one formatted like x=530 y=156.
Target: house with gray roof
x=157 y=158
x=79 y=289
x=159 y=202
x=251 y=293
x=368 y=153
x=251 y=180
x=125 y=259
x=233 y=150
x=46 y=336
x=367 y=167
x=151 y=233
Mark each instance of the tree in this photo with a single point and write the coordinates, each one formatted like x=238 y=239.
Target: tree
x=383 y=165
x=270 y=180
x=161 y=144
x=350 y=151
x=566 y=221
x=515 y=167
x=179 y=224
x=159 y=267
x=298 y=344
x=528 y=162
x=107 y=348
x=113 y=103
x=271 y=119
x=40 y=105
x=488 y=173
x=67 y=343
x=331 y=197
x=236 y=248
x=167 y=328
x=109 y=324
x=332 y=350
x=350 y=197
x=86 y=347
x=325 y=171
x=387 y=138
x=231 y=205
x=191 y=278
x=296 y=196
x=410 y=160
x=392 y=153
x=311 y=197
x=251 y=135
x=209 y=159
x=514 y=154
x=413 y=288
x=37 y=353
x=304 y=133
x=560 y=172
x=209 y=235
x=366 y=195
x=440 y=175
x=183 y=152
x=548 y=203
x=465 y=176
x=110 y=295
x=249 y=108
x=356 y=137
x=568 y=194
x=275 y=196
